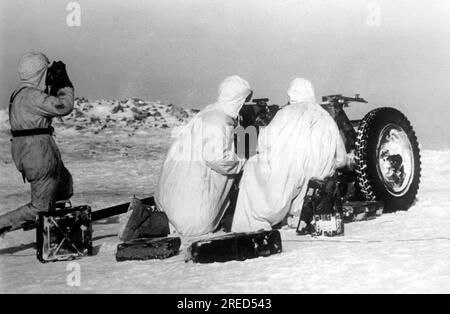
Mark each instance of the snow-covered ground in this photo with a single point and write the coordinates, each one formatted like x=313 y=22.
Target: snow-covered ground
x=400 y=252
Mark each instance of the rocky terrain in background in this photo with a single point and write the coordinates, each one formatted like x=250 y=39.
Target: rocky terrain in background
x=103 y=116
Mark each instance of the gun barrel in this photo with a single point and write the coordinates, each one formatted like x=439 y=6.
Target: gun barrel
x=343 y=99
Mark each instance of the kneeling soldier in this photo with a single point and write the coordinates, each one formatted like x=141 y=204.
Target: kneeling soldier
x=33 y=148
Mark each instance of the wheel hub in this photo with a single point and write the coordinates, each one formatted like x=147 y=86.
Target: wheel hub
x=395 y=160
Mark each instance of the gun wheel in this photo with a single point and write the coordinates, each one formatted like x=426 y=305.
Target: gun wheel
x=388 y=159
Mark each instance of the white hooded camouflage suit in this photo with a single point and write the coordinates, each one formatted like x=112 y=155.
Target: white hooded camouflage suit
x=37 y=157
x=300 y=143
x=201 y=166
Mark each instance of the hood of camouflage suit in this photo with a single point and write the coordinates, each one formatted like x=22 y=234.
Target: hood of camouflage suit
x=232 y=94
x=32 y=70
x=301 y=91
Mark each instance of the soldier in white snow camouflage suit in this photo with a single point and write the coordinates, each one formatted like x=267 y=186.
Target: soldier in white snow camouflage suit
x=33 y=148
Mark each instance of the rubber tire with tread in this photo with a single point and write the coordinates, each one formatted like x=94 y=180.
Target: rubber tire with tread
x=369 y=181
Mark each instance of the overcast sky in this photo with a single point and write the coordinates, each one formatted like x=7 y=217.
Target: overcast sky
x=179 y=51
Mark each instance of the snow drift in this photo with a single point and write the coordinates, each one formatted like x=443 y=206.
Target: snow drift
x=400 y=252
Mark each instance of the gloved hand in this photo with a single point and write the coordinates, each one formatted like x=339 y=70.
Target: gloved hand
x=57 y=77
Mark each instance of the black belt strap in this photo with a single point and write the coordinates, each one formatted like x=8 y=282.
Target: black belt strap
x=31 y=132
